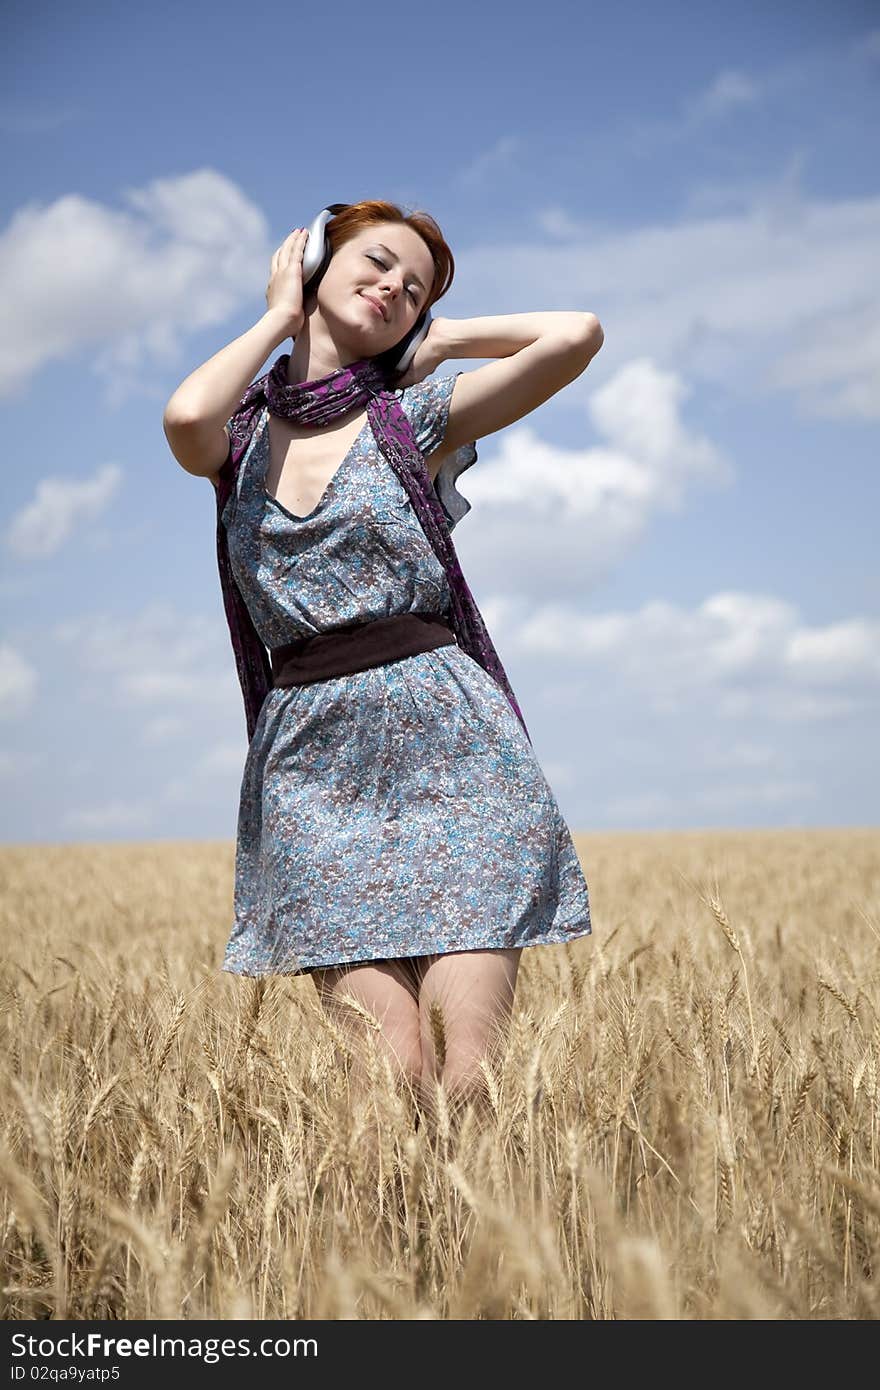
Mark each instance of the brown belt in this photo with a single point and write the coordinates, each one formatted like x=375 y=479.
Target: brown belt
x=357 y=647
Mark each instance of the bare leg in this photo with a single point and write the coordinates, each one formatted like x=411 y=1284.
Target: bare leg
x=465 y=1001
x=387 y=992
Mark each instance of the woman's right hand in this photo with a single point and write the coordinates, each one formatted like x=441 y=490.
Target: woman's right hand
x=284 y=291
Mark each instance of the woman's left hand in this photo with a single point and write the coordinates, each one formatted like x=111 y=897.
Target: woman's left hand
x=428 y=356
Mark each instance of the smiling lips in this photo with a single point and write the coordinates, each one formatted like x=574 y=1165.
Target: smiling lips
x=370 y=300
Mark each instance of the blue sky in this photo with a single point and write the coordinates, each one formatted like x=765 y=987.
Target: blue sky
x=676 y=556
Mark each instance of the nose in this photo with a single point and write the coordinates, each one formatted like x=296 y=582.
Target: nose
x=392 y=283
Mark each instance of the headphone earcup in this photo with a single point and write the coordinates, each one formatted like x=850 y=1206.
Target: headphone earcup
x=406 y=349
x=317 y=253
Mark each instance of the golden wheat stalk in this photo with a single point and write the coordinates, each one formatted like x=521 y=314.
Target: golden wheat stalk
x=717 y=909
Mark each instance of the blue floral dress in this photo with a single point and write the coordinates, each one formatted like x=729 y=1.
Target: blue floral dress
x=393 y=812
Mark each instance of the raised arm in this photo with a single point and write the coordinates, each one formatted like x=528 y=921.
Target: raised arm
x=195 y=416
x=539 y=354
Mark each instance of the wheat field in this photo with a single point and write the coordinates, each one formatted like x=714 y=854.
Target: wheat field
x=683 y=1124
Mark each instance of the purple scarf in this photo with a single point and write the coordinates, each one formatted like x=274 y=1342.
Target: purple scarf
x=317 y=403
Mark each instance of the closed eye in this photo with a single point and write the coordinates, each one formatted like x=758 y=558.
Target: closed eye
x=376 y=260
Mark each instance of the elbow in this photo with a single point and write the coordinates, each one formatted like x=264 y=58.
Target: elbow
x=595 y=332
x=174 y=416
x=171 y=415
x=590 y=336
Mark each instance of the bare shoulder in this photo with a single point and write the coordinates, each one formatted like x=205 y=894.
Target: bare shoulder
x=490 y=398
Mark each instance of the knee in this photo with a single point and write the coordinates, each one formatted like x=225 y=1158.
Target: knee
x=464 y=1081
x=460 y=1066
x=399 y=1057
x=409 y=1065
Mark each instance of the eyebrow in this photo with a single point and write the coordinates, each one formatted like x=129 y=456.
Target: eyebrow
x=389 y=252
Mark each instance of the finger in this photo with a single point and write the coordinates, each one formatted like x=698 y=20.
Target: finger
x=285 y=243
x=297 y=241
x=285 y=250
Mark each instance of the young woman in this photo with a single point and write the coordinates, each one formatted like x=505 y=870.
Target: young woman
x=397 y=839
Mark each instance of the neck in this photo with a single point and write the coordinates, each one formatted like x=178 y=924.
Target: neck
x=315 y=354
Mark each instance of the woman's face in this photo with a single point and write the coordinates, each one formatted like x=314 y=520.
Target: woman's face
x=387 y=263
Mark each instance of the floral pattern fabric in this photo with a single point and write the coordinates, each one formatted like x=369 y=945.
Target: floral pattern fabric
x=393 y=812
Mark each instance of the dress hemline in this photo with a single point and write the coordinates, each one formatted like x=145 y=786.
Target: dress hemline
x=578 y=929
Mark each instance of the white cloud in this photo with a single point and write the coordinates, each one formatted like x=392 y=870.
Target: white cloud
x=155 y=656
x=739 y=753
x=163 y=728
x=576 y=512
x=840 y=652
x=842 y=357
x=640 y=808
x=504 y=156
x=44 y=524
x=76 y=275
x=114 y=815
x=744 y=656
x=770 y=793
x=558 y=773
x=778 y=197
x=729 y=90
x=15 y=762
x=667 y=131
x=777 y=90
x=638 y=410
x=18 y=682
x=217 y=771
x=222 y=759
x=785 y=705
x=654 y=806
x=557 y=222
x=780 y=295
x=651 y=457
